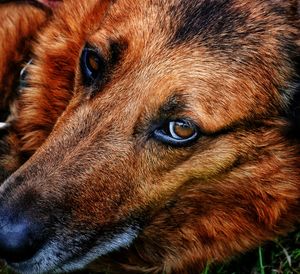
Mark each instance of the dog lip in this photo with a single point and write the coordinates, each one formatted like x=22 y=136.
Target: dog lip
x=29 y=266
x=20 y=267
x=46 y=260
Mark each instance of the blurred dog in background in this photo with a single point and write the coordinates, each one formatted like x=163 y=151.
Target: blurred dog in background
x=20 y=22
x=156 y=136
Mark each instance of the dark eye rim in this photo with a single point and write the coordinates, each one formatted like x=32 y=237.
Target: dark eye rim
x=162 y=136
x=90 y=77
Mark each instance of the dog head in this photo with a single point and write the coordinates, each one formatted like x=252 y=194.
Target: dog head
x=156 y=126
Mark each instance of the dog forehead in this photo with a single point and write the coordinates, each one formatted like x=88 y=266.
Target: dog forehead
x=224 y=25
x=206 y=19
x=175 y=45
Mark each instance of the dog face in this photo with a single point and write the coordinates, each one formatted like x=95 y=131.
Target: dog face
x=165 y=136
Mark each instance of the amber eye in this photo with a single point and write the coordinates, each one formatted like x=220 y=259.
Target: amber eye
x=92 y=66
x=181 y=130
x=177 y=133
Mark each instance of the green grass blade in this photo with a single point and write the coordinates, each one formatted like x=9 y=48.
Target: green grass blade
x=261 y=261
x=206 y=270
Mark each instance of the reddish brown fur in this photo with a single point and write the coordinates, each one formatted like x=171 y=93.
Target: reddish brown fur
x=19 y=24
x=237 y=187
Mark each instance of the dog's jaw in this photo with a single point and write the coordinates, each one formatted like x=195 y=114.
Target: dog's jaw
x=52 y=258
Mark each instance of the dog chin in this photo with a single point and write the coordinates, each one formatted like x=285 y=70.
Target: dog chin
x=53 y=259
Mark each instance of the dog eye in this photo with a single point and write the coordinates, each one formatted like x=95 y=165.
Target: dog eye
x=92 y=66
x=177 y=133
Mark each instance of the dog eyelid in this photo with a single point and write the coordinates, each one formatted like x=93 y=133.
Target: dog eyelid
x=177 y=132
x=92 y=66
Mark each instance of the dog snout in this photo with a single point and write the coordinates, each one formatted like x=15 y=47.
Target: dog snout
x=20 y=237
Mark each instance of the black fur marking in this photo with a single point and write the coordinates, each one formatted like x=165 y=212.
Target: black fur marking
x=212 y=22
x=116 y=52
x=173 y=108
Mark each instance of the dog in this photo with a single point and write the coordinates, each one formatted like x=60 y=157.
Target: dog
x=19 y=24
x=158 y=136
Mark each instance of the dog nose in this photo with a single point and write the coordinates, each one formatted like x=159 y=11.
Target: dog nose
x=18 y=241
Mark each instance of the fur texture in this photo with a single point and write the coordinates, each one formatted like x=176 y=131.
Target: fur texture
x=104 y=190
x=19 y=25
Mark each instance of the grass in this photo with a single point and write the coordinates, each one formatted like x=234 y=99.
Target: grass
x=279 y=257
x=261 y=260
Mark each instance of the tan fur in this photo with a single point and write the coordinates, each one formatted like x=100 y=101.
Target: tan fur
x=96 y=168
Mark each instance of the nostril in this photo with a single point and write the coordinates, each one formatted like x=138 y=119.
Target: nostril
x=18 y=241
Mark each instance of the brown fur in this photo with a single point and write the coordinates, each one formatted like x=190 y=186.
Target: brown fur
x=98 y=172
x=19 y=24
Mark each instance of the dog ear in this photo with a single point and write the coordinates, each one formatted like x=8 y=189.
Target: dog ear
x=50 y=3
x=47 y=5
x=293 y=112
x=293 y=7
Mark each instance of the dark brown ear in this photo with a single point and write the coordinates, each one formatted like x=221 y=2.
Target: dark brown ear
x=294 y=106
x=50 y=3
x=44 y=4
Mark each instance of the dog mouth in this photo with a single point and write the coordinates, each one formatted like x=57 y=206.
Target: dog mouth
x=54 y=258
